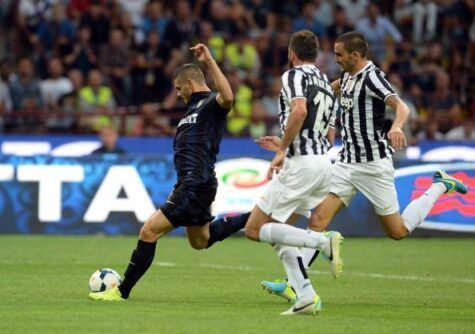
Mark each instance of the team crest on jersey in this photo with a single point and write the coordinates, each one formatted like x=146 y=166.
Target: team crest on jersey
x=191 y=119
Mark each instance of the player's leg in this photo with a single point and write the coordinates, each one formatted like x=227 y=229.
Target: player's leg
x=318 y=222
x=142 y=257
x=398 y=226
x=375 y=180
x=341 y=194
x=201 y=237
x=298 y=179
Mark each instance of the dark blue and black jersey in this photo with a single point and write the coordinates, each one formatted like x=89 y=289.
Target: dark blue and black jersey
x=197 y=139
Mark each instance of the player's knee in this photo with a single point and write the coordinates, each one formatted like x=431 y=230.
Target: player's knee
x=198 y=244
x=252 y=232
x=146 y=233
x=397 y=234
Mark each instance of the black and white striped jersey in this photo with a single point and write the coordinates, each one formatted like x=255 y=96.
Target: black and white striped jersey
x=362 y=100
x=308 y=82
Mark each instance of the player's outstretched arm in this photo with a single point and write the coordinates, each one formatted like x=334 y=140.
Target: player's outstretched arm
x=395 y=134
x=225 y=94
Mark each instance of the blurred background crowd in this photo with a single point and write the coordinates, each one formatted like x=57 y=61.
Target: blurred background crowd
x=75 y=66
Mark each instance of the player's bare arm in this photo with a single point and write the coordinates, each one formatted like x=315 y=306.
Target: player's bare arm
x=225 y=94
x=298 y=113
x=336 y=87
x=395 y=134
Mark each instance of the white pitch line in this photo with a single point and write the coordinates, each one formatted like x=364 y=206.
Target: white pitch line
x=319 y=272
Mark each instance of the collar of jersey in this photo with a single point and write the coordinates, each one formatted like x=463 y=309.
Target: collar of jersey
x=311 y=65
x=366 y=67
x=196 y=96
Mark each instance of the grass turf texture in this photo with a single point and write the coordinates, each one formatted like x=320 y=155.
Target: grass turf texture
x=417 y=285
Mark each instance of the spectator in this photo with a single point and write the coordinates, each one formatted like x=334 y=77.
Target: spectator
x=134 y=8
x=270 y=100
x=109 y=137
x=240 y=115
x=323 y=12
x=82 y=55
x=442 y=107
x=114 y=61
x=431 y=131
x=418 y=12
x=257 y=126
x=5 y=97
x=377 y=29
x=355 y=9
x=54 y=36
x=220 y=18
x=242 y=55
x=151 y=71
x=96 y=97
x=260 y=16
x=182 y=28
x=25 y=88
x=307 y=20
x=98 y=23
x=55 y=85
x=466 y=131
x=149 y=124
x=69 y=103
x=31 y=12
x=340 y=24
x=154 y=20
x=326 y=60
x=215 y=42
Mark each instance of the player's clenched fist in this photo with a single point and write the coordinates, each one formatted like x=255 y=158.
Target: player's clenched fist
x=202 y=52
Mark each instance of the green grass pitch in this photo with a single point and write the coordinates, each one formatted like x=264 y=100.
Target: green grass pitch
x=411 y=286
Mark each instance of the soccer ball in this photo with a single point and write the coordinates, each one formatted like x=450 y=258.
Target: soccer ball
x=104 y=279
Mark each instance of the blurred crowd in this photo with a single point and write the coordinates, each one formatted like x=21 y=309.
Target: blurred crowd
x=75 y=66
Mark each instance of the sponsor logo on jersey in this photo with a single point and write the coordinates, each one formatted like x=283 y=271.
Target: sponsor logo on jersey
x=190 y=119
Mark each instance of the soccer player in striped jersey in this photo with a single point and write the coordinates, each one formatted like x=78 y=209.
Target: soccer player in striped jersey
x=307 y=109
x=365 y=162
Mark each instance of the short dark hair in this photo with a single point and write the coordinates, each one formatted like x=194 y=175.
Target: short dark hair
x=305 y=45
x=190 y=71
x=354 y=41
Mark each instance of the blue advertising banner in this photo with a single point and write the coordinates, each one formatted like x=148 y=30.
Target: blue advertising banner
x=96 y=194
x=113 y=194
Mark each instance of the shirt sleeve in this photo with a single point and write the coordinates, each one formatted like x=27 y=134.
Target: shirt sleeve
x=294 y=84
x=378 y=86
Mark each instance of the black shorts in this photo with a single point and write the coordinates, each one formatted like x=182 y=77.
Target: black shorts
x=190 y=205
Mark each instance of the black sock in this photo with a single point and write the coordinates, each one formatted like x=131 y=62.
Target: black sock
x=140 y=261
x=222 y=228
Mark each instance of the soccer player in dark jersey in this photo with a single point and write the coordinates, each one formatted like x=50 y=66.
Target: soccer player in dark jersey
x=196 y=145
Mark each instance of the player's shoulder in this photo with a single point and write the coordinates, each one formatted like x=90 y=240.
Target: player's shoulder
x=294 y=71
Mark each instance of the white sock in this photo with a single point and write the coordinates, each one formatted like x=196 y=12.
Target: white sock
x=418 y=209
x=296 y=274
x=283 y=234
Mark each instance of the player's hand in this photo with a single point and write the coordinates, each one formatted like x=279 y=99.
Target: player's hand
x=397 y=138
x=202 y=52
x=269 y=143
x=276 y=164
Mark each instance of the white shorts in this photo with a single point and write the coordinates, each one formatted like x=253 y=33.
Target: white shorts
x=301 y=185
x=375 y=179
